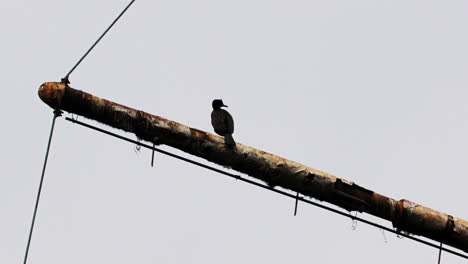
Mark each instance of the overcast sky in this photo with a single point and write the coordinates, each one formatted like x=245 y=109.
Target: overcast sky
x=371 y=91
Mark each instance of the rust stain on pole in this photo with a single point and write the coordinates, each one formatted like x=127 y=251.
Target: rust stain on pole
x=274 y=170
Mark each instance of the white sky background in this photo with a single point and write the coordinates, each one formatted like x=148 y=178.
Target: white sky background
x=370 y=91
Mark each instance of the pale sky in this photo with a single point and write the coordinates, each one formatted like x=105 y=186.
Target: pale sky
x=373 y=92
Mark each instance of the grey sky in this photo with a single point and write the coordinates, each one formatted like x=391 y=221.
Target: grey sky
x=370 y=91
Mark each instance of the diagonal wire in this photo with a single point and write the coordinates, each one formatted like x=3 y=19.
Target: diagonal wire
x=238 y=177
x=56 y=114
x=65 y=79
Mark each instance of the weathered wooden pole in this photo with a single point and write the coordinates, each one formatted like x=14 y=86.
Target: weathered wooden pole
x=276 y=171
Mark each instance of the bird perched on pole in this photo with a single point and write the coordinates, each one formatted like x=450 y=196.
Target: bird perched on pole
x=223 y=123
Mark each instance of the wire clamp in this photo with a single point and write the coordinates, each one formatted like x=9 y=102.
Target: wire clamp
x=65 y=80
x=57 y=113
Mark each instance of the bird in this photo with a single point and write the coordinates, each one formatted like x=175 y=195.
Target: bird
x=223 y=123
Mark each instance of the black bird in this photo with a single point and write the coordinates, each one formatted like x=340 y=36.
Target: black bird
x=222 y=122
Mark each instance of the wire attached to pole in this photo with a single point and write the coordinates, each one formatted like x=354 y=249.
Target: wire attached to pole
x=57 y=113
x=287 y=194
x=440 y=252
x=295 y=205
x=66 y=78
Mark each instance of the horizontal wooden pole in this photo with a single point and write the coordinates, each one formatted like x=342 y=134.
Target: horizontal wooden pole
x=274 y=170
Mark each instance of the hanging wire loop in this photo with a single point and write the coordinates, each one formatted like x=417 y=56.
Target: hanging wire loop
x=295 y=204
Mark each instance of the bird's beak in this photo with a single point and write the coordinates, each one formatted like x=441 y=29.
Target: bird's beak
x=225 y=105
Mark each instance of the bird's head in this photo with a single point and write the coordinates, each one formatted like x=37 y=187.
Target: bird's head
x=218 y=103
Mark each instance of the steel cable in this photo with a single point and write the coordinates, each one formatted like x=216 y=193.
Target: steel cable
x=238 y=177
x=66 y=78
x=57 y=113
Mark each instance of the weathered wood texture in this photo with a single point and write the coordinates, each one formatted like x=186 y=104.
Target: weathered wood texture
x=274 y=170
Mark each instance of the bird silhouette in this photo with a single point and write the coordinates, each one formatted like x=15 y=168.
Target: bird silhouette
x=223 y=123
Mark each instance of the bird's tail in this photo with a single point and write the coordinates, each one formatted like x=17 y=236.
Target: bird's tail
x=229 y=141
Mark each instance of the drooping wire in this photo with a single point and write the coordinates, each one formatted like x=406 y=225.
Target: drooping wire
x=440 y=253
x=66 y=78
x=57 y=113
x=299 y=198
